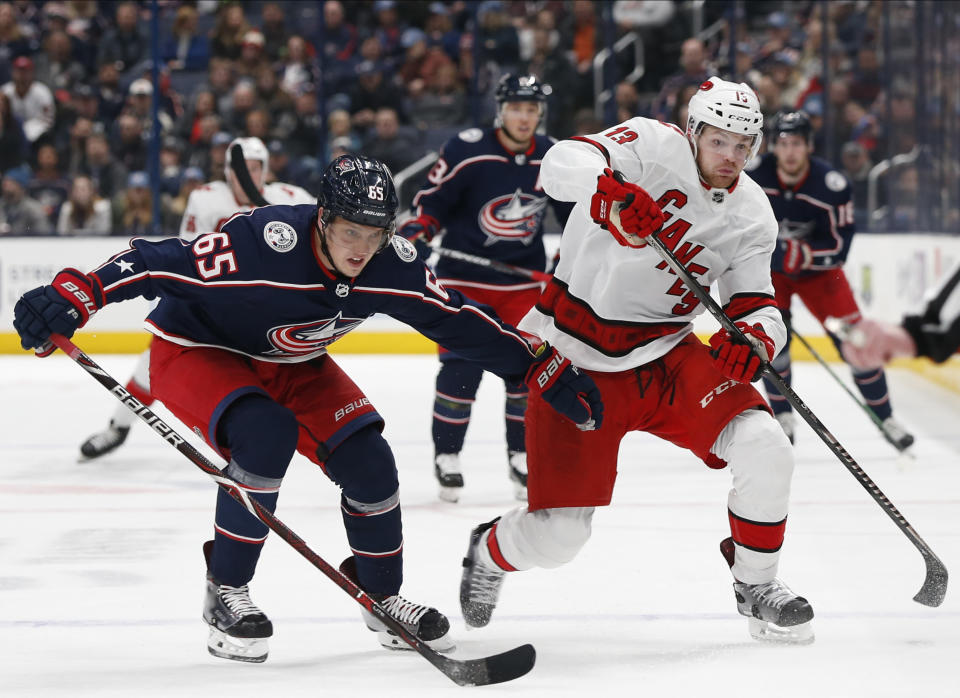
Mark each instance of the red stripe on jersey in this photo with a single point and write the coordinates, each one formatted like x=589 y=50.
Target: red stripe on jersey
x=743 y=304
x=755 y=535
x=598 y=146
x=611 y=337
x=493 y=547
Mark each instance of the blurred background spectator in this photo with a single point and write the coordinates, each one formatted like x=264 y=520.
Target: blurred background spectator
x=20 y=214
x=85 y=212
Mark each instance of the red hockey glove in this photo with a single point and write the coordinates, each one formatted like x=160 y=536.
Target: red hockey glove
x=624 y=209
x=569 y=391
x=60 y=308
x=420 y=228
x=737 y=360
x=797 y=256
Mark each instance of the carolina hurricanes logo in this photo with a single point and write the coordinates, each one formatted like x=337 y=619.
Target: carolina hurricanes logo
x=513 y=217
x=308 y=337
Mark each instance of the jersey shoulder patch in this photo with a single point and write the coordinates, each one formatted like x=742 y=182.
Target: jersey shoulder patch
x=404 y=248
x=471 y=135
x=835 y=181
x=280 y=236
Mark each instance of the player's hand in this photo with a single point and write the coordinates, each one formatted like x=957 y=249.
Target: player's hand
x=569 y=391
x=60 y=308
x=739 y=361
x=870 y=344
x=797 y=256
x=420 y=231
x=624 y=209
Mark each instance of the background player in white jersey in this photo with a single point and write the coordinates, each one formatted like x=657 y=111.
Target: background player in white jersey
x=208 y=207
x=617 y=311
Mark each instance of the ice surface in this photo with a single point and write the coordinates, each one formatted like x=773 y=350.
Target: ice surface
x=101 y=578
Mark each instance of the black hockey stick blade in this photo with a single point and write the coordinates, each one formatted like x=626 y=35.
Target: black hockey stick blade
x=239 y=166
x=935 y=585
x=498 y=668
x=470 y=672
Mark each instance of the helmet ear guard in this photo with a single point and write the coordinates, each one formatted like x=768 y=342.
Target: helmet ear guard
x=729 y=106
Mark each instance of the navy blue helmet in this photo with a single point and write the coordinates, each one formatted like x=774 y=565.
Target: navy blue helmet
x=359 y=189
x=521 y=88
x=794 y=122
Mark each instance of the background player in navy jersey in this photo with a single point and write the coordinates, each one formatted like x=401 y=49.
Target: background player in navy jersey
x=239 y=356
x=813 y=205
x=485 y=192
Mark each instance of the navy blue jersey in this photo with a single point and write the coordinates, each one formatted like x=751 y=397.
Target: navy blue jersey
x=257 y=288
x=818 y=210
x=491 y=203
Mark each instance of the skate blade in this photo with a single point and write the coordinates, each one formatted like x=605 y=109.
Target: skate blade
x=239 y=649
x=450 y=494
x=763 y=631
x=393 y=642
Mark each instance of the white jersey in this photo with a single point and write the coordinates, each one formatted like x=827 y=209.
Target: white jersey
x=213 y=204
x=610 y=307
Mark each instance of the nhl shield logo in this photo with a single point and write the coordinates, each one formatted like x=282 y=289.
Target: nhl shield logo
x=280 y=236
x=342 y=290
x=718 y=196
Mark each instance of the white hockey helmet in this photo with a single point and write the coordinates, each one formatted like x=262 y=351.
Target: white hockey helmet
x=729 y=106
x=253 y=149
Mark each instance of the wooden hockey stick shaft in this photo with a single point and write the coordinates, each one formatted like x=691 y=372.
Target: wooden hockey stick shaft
x=935 y=583
x=471 y=672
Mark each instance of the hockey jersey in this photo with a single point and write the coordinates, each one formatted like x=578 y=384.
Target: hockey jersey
x=610 y=307
x=257 y=288
x=491 y=203
x=817 y=210
x=212 y=205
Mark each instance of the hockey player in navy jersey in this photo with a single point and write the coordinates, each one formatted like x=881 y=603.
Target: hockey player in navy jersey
x=813 y=205
x=485 y=194
x=239 y=356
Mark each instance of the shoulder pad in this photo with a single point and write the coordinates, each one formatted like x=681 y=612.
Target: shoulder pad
x=404 y=248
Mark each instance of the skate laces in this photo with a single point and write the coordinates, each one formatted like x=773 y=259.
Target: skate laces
x=484 y=584
x=107 y=437
x=237 y=599
x=774 y=593
x=404 y=611
x=448 y=463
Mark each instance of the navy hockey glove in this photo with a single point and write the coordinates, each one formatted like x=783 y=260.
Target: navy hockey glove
x=797 y=256
x=624 y=209
x=420 y=231
x=569 y=391
x=737 y=360
x=60 y=308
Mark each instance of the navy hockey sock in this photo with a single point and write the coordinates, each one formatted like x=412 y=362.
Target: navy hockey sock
x=262 y=436
x=364 y=468
x=514 y=409
x=457 y=384
x=872 y=384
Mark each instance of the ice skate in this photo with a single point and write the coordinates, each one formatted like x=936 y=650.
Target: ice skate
x=895 y=433
x=425 y=622
x=787 y=422
x=104 y=441
x=479 y=584
x=238 y=629
x=518 y=473
x=446 y=468
x=774 y=612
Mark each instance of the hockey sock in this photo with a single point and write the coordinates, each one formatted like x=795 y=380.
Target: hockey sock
x=514 y=409
x=872 y=384
x=261 y=436
x=364 y=468
x=457 y=384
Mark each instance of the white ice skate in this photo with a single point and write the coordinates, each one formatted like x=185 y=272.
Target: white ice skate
x=518 y=473
x=238 y=629
x=446 y=468
x=479 y=584
x=896 y=434
x=787 y=423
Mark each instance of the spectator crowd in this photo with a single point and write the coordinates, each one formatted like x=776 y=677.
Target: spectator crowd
x=390 y=79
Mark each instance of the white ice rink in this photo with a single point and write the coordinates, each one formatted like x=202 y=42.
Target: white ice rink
x=101 y=572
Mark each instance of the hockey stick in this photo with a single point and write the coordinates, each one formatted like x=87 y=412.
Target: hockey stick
x=497 y=668
x=493 y=264
x=239 y=166
x=870 y=413
x=935 y=584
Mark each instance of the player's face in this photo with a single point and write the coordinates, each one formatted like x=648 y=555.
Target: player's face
x=721 y=155
x=351 y=245
x=793 y=153
x=255 y=168
x=520 y=120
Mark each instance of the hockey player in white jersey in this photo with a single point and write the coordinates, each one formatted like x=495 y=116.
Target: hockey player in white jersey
x=615 y=309
x=208 y=207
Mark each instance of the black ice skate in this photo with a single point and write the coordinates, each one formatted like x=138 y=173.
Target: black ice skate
x=775 y=613
x=517 y=461
x=428 y=624
x=895 y=433
x=479 y=584
x=104 y=441
x=446 y=468
x=238 y=629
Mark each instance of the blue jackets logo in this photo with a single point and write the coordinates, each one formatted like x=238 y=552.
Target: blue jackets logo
x=514 y=217
x=307 y=338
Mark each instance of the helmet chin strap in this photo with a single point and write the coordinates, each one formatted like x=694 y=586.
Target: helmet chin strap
x=321 y=234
